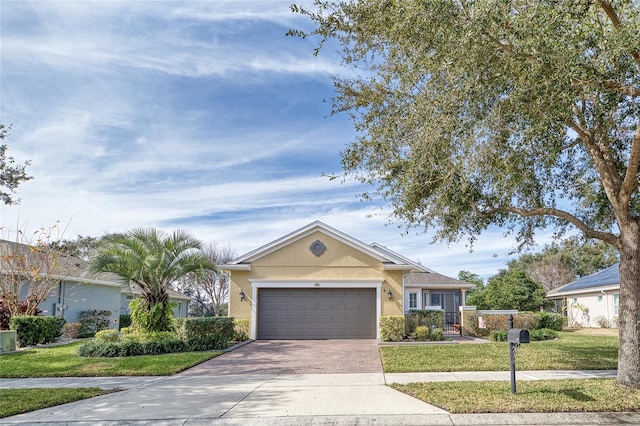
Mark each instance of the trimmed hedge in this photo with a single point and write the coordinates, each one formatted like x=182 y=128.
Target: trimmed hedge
x=34 y=330
x=392 y=328
x=427 y=318
x=241 y=329
x=202 y=327
x=499 y=322
x=551 y=321
x=149 y=344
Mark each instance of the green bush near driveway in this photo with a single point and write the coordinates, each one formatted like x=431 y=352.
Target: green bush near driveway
x=108 y=343
x=540 y=396
x=201 y=327
x=36 y=330
x=392 y=328
x=240 y=329
x=571 y=351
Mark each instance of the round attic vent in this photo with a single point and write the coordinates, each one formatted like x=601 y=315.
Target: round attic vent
x=317 y=247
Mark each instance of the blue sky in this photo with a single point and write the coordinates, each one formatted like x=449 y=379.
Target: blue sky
x=194 y=115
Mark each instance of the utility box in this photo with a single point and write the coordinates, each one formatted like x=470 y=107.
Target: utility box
x=8 y=340
x=517 y=335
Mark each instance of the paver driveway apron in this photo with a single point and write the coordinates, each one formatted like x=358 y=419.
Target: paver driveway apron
x=295 y=357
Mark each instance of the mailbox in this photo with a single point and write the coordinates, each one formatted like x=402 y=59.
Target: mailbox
x=517 y=335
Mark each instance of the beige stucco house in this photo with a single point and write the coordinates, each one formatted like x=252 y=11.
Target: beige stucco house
x=319 y=283
x=590 y=301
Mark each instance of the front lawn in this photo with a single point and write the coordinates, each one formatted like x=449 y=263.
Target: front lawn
x=542 y=396
x=63 y=361
x=571 y=351
x=18 y=401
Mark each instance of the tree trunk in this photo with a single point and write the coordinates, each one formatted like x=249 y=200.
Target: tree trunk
x=629 y=312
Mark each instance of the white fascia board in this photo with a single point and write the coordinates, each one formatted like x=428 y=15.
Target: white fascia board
x=590 y=290
x=400 y=259
x=238 y=267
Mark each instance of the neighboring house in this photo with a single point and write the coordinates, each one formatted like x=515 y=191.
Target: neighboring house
x=319 y=283
x=591 y=301
x=78 y=290
x=181 y=301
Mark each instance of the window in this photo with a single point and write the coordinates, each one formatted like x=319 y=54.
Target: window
x=599 y=298
x=575 y=300
x=413 y=300
x=616 y=304
x=435 y=299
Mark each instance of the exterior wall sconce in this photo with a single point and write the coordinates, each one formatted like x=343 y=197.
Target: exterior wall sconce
x=242 y=296
x=389 y=294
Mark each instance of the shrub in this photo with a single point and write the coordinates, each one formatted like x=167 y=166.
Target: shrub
x=107 y=336
x=392 y=328
x=471 y=324
x=437 y=334
x=240 y=330
x=5 y=315
x=71 y=330
x=427 y=318
x=33 y=330
x=156 y=343
x=526 y=321
x=551 y=321
x=542 y=334
x=92 y=321
x=614 y=322
x=602 y=322
x=422 y=333
x=495 y=322
x=150 y=319
x=207 y=343
x=206 y=326
x=499 y=336
x=125 y=321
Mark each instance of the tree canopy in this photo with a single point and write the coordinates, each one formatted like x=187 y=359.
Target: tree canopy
x=517 y=113
x=509 y=289
x=12 y=174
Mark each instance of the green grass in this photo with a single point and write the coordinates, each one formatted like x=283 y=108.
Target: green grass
x=544 y=396
x=572 y=351
x=18 y=401
x=63 y=361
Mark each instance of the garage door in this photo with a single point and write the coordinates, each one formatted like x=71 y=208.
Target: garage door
x=311 y=313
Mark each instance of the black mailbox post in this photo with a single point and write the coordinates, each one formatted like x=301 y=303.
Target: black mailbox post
x=515 y=336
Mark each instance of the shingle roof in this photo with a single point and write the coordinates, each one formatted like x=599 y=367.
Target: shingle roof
x=608 y=276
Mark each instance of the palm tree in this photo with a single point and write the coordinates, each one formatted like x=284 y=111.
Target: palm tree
x=152 y=260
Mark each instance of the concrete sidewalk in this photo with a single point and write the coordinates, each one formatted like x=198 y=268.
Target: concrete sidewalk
x=294 y=399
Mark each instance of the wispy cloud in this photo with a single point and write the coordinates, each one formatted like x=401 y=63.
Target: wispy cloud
x=195 y=115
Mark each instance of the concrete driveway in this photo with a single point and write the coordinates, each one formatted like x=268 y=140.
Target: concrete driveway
x=295 y=357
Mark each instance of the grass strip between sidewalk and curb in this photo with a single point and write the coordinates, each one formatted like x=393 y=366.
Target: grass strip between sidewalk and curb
x=18 y=401
x=571 y=351
x=63 y=361
x=540 y=396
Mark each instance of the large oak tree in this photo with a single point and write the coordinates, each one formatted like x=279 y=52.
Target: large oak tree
x=523 y=114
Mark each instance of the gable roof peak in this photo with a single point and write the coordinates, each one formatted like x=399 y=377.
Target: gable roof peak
x=384 y=255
